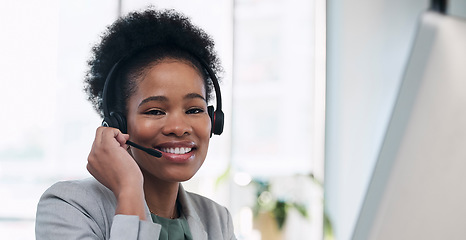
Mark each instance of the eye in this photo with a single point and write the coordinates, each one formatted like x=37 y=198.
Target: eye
x=154 y=112
x=195 y=111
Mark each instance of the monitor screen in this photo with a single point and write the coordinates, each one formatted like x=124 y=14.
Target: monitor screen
x=418 y=187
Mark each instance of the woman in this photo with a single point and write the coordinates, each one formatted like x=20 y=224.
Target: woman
x=150 y=78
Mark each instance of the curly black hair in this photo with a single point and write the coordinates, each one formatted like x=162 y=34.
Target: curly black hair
x=143 y=38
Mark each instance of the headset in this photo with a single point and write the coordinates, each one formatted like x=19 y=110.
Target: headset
x=118 y=120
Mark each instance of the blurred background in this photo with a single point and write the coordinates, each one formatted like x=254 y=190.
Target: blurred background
x=261 y=167
x=307 y=84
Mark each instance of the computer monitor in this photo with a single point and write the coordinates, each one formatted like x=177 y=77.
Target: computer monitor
x=418 y=187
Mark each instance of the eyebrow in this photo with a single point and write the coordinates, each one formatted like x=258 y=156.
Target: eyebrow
x=165 y=99
x=194 y=96
x=154 y=98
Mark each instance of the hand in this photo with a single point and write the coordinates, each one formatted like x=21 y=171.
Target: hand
x=111 y=164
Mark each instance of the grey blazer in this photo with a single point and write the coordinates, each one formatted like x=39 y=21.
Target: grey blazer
x=85 y=209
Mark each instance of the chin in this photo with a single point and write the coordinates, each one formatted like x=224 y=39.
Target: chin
x=178 y=179
x=181 y=177
x=184 y=179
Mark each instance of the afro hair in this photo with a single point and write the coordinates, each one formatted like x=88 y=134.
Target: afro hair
x=165 y=30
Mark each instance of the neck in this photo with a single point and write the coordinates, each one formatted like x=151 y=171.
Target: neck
x=161 y=196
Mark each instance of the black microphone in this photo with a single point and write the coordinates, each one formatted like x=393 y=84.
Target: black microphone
x=150 y=151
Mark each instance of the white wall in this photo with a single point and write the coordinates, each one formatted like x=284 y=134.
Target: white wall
x=368 y=43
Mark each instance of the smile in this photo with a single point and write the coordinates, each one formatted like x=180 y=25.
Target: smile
x=177 y=150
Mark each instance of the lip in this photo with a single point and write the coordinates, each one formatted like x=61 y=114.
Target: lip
x=178 y=158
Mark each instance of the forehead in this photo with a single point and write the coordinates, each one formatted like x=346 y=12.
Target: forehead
x=171 y=76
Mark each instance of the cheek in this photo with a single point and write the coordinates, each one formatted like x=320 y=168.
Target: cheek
x=145 y=130
x=203 y=134
x=142 y=130
x=205 y=128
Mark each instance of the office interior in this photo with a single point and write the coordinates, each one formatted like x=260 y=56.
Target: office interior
x=310 y=88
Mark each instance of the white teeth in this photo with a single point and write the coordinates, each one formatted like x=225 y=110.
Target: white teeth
x=176 y=150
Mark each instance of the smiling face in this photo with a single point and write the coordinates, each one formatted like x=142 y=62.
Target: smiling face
x=168 y=112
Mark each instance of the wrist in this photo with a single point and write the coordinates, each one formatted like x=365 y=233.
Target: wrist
x=131 y=202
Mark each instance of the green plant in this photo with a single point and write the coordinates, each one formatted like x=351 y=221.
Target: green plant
x=266 y=201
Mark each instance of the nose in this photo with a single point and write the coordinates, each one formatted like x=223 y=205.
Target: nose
x=177 y=124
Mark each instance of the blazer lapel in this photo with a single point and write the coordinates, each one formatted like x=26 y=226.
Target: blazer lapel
x=195 y=225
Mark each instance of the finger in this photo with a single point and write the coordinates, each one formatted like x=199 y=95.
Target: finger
x=97 y=140
x=90 y=169
x=99 y=135
x=122 y=138
x=110 y=136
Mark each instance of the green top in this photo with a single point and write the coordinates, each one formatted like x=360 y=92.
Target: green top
x=173 y=229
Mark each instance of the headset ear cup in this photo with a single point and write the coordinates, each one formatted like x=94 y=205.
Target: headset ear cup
x=108 y=122
x=217 y=127
x=118 y=121
x=217 y=119
x=210 y=111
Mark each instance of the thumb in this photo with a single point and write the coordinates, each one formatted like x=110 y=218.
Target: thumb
x=121 y=138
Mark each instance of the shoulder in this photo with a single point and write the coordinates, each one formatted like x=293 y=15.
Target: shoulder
x=201 y=203
x=86 y=196
x=214 y=216
x=79 y=204
x=87 y=189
